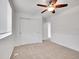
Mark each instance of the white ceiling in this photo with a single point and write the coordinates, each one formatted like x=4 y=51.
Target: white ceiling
x=30 y=7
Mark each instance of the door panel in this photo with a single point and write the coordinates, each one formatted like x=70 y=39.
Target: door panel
x=31 y=30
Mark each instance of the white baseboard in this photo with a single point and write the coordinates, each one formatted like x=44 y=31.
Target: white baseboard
x=23 y=43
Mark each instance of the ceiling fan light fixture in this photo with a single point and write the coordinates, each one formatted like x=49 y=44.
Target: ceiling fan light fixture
x=53 y=4
x=50 y=8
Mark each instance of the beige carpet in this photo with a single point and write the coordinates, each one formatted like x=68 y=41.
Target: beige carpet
x=46 y=50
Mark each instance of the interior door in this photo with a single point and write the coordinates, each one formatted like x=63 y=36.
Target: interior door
x=31 y=30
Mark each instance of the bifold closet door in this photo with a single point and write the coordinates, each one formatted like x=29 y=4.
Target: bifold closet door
x=30 y=30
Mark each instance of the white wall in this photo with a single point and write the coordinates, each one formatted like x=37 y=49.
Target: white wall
x=45 y=31
x=65 y=28
x=6 y=47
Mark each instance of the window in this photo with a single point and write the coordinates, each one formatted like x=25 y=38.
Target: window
x=5 y=18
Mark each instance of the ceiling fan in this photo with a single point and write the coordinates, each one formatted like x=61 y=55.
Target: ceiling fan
x=52 y=6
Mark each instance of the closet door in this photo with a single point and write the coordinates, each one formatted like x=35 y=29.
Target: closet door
x=31 y=30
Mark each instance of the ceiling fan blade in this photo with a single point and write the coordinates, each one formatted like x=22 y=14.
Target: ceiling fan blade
x=53 y=1
x=41 y=5
x=44 y=11
x=53 y=11
x=61 y=5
